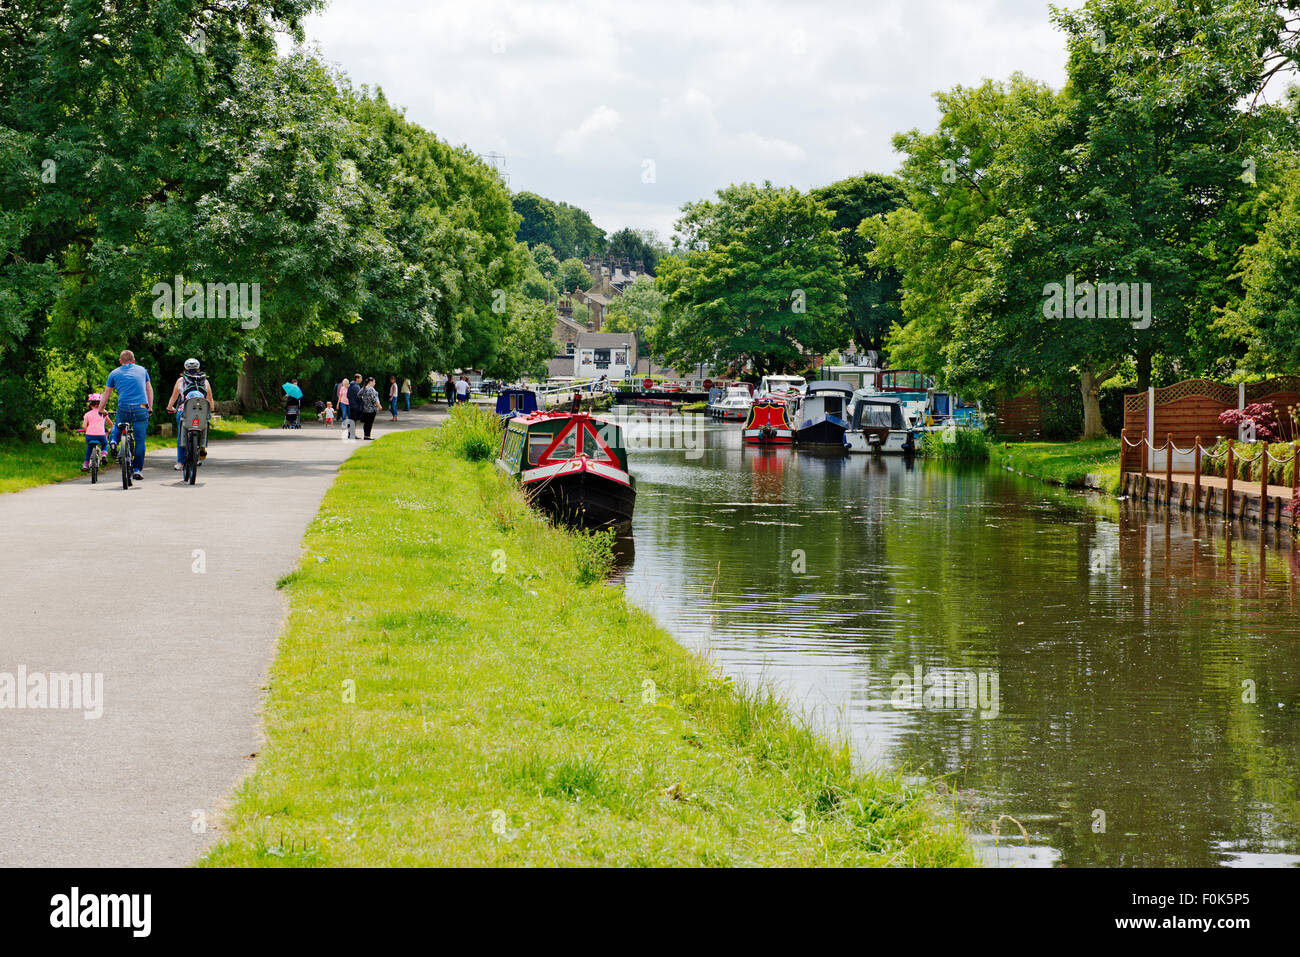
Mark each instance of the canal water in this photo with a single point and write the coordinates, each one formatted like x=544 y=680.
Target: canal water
x=1090 y=684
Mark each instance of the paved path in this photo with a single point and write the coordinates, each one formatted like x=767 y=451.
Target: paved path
x=182 y=686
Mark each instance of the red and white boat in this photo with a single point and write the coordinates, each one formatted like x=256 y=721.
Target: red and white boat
x=768 y=422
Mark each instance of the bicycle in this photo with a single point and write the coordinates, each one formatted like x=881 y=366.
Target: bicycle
x=98 y=459
x=126 y=452
x=194 y=422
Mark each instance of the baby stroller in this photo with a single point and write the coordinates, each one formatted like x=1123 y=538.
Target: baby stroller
x=292 y=408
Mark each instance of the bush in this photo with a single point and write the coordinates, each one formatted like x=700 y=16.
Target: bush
x=956 y=445
x=1247 y=461
x=470 y=432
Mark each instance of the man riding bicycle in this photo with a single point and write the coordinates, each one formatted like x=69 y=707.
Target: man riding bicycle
x=134 y=404
x=192 y=383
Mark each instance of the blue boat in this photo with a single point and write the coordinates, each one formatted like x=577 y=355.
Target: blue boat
x=513 y=402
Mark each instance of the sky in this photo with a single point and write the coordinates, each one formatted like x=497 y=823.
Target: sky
x=630 y=110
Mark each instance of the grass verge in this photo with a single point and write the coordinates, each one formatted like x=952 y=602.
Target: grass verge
x=456 y=685
x=1063 y=463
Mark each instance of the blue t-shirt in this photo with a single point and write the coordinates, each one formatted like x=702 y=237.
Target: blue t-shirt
x=129 y=381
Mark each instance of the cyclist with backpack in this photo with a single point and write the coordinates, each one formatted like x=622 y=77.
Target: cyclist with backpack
x=192 y=383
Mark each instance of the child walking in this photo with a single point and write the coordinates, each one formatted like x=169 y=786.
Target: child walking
x=329 y=414
x=94 y=424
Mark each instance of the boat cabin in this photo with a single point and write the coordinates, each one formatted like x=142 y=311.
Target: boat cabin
x=512 y=402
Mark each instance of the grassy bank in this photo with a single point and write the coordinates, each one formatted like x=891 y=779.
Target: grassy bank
x=1063 y=463
x=457 y=686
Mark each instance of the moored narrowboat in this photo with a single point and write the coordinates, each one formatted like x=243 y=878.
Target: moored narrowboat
x=572 y=465
x=878 y=424
x=513 y=402
x=768 y=423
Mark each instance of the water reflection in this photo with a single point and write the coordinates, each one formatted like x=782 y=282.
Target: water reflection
x=1146 y=669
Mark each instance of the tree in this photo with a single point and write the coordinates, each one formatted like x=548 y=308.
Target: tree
x=1108 y=195
x=568 y=230
x=639 y=309
x=547 y=264
x=759 y=281
x=574 y=275
x=873 y=292
x=637 y=245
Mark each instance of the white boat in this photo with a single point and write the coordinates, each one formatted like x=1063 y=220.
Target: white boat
x=878 y=423
x=782 y=386
x=734 y=404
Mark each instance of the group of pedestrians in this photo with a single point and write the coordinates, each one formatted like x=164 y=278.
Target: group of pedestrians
x=456 y=390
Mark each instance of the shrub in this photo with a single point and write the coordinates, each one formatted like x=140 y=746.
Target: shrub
x=1260 y=417
x=470 y=432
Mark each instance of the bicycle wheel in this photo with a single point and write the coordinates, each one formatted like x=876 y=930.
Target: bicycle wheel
x=125 y=455
x=94 y=465
x=191 y=457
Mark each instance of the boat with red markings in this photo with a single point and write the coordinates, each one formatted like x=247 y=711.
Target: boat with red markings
x=768 y=423
x=572 y=465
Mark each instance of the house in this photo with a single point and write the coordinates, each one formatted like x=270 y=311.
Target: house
x=597 y=302
x=609 y=354
x=566 y=334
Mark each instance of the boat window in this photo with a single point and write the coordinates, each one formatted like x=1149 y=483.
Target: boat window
x=567 y=447
x=834 y=405
x=536 y=446
x=876 y=417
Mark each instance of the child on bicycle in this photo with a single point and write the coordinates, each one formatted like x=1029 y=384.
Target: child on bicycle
x=95 y=424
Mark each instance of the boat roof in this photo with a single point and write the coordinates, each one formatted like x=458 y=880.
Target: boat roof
x=875 y=398
x=829 y=385
x=785 y=378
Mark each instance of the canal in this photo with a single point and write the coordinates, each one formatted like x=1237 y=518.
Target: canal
x=1089 y=684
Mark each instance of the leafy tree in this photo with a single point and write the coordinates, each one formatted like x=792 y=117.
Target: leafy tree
x=873 y=292
x=639 y=309
x=759 y=281
x=637 y=245
x=1267 y=319
x=1121 y=179
x=568 y=230
x=547 y=264
x=574 y=275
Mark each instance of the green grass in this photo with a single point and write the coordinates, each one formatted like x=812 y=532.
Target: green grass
x=1063 y=463
x=956 y=445
x=448 y=691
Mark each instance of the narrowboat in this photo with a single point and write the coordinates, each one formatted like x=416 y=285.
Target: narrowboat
x=878 y=423
x=513 y=402
x=820 y=414
x=734 y=404
x=572 y=465
x=768 y=423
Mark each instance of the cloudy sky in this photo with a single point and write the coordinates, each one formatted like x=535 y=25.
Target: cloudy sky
x=630 y=110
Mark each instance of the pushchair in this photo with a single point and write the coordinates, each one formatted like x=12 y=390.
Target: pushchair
x=292 y=408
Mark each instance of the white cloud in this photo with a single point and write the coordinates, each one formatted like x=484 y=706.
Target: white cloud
x=601 y=120
x=579 y=95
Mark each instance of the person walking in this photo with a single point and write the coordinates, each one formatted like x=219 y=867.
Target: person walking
x=392 y=396
x=134 y=404
x=462 y=389
x=370 y=405
x=341 y=399
x=406 y=394
x=354 y=405
x=449 y=390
